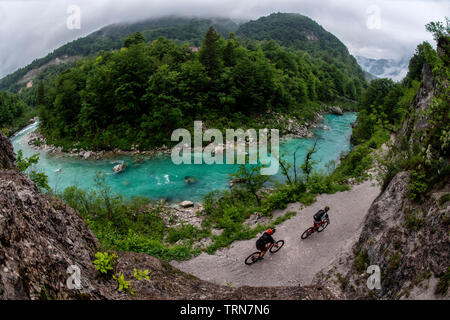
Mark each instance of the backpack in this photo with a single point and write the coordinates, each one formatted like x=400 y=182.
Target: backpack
x=319 y=215
x=262 y=241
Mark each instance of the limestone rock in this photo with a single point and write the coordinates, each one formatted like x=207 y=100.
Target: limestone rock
x=186 y=204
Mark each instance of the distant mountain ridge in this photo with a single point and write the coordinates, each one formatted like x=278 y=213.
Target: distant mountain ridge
x=302 y=33
x=290 y=30
x=385 y=68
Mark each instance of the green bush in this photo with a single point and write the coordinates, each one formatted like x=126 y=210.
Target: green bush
x=442 y=286
x=123 y=285
x=320 y=183
x=444 y=199
x=105 y=263
x=355 y=164
x=415 y=222
x=418 y=185
x=141 y=274
x=362 y=259
x=282 y=196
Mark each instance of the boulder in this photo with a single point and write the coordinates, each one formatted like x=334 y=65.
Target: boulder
x=336 y=110
x=119 y=168
x=186 y=204
x=190 y=180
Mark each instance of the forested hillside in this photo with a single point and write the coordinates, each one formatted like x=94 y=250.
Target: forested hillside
x=14 y=113
x=140 y=94
x=111 y=37
x=135 y=86
x=289 y=30
x=342 y=74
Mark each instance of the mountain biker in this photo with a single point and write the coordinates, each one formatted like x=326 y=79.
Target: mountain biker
x=320 y=216
x=264 y=242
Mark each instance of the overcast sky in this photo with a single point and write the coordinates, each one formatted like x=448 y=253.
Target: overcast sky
x=30 y=29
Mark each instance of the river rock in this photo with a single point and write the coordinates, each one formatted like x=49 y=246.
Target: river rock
x=336 y=110
x=186 y=204
x=190 y=180
x=119 y=168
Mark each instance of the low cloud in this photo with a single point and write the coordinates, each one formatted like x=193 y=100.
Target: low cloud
x=30 y=29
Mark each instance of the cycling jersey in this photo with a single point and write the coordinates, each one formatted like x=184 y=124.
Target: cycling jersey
x=263 y=241
x=319 y=215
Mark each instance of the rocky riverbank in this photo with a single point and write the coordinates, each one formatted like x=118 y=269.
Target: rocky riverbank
x=39 y=143
x=291 y=127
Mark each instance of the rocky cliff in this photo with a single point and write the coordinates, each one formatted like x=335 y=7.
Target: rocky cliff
x=40 y=237
x=408 y=240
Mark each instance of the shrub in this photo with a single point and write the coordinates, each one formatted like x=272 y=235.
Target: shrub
x=123 y=285
x=442 y=286
x=183 y=232
x=354 y=164
x=141 y=275
x=282 y=196
x=415 y=222
x=444 y=199
x=105 y=262
x=320 y=183
x=418 y=184
x=362 y=259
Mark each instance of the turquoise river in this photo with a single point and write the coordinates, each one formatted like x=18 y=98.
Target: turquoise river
x=159 y=178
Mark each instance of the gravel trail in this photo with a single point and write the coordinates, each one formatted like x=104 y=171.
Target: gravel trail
x=299 y=260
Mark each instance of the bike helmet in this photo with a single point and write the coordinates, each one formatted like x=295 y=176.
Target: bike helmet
x=327 y=208
x=270 y=231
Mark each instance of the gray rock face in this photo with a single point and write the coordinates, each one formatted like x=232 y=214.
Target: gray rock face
x=40 y=238
x=336 y=110
x=7 y=158
x=417 y=123
x=408 y=241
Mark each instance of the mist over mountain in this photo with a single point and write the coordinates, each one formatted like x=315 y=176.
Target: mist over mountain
x=385 y=68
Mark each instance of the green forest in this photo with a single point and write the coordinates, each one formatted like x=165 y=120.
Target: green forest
x=139 y=94
x=14 y=113
x=386 y=105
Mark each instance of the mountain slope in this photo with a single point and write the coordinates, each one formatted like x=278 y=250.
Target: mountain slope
x=302 y=33
x=111 y=37
x=290 y=30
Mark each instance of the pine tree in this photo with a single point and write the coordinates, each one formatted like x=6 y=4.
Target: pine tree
x=210 y=52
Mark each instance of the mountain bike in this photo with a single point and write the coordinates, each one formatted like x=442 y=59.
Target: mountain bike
x=319 y=227
x=253 y=258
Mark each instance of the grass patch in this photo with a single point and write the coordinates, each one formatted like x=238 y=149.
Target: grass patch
x=442 y=286
x=362 y=259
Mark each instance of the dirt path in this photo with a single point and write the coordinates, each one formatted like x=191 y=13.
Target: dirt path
x=299 y=260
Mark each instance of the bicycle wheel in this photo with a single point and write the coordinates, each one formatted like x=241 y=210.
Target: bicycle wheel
x=280 y=243
x=307 y=233
x=251 y=259
x=322 y=226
